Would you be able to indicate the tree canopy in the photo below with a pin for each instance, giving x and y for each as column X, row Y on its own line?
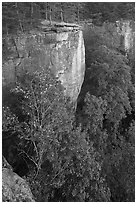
column 27, row 15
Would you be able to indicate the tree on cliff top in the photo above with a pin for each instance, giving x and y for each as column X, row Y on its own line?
column 21, row 16
column 111, row 11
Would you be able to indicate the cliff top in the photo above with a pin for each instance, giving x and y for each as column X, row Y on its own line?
column 58, row 26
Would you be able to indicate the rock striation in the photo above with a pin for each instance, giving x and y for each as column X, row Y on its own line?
column 58, row 46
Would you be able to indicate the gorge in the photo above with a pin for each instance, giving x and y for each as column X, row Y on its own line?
column 79, row 57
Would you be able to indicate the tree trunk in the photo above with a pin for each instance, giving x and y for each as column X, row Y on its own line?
column 78, row 13
column 50, row 13
column 20, row 24
column 7, row 29
column 46, row 10
column 61, row 15
column 31, row 13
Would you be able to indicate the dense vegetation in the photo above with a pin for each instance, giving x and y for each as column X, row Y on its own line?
column 107, row 108
column 67, row 155
column 27, row 15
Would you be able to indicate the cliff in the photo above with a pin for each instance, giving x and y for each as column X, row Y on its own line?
column 126, row 29
column 60, row 47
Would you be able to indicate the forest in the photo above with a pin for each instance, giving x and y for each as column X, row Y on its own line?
column 67, row 155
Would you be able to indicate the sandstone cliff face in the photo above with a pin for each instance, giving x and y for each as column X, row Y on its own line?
column 63, row 51
column 126, row 28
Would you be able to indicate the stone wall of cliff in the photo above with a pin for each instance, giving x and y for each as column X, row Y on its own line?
column 126, row 28
column 60, row 48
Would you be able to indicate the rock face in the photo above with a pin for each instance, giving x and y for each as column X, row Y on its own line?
column 60, row 48
column 14, row 188
column 126, row 28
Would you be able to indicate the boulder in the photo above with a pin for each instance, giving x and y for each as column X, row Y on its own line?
column 15, row 188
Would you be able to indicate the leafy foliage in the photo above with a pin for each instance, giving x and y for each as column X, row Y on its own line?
column 61, row 156
column 42, row 94
column 108, row 109
column 9, row 120
column 75, row 172
column 111, row 11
